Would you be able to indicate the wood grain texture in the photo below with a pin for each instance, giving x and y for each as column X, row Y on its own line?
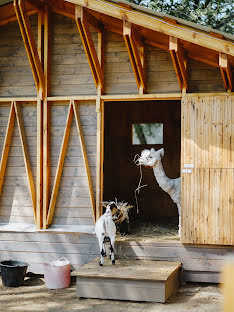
column 207, row 192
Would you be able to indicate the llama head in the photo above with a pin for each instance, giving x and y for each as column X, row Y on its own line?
column 150, row 157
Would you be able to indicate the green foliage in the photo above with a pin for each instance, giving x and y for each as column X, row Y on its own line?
column 216, row 14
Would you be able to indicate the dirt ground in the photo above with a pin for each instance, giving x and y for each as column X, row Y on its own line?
column 34, row 296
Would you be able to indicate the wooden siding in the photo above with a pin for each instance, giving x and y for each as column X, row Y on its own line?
column 204, row 78
column 16, row 77
column 160, row 72
column 15, row 200
column 118, row 73
column 70, row 71
column 200, row 263
column 208, row 191
column 73, row 203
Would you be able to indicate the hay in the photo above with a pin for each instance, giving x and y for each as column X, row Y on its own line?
column 156, row 230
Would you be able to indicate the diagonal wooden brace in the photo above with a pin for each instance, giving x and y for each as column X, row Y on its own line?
column 130, row 38
column 30, row 45
column 83, row 27
column 179, row 62
column 226, row 71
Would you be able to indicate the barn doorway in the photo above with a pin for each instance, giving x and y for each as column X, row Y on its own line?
column 124, row 124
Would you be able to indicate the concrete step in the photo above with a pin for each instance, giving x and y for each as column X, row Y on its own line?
column 132, row 280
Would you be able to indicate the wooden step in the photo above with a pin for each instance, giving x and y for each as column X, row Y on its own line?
column 133, row 280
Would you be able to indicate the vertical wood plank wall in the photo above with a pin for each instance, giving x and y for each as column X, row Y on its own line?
column 15, row 201
column 208, row 192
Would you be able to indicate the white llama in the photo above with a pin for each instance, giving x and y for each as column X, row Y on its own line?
column 152, row 158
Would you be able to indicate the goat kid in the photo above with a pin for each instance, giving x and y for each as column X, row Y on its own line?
column 105, row 230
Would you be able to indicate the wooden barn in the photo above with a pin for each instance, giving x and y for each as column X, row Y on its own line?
column 75, row 77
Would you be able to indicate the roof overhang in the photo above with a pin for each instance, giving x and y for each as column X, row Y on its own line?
column 155, row 23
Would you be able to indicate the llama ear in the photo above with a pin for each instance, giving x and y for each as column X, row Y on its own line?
column 161, row 152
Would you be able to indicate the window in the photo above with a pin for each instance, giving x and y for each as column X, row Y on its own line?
column 147, row 133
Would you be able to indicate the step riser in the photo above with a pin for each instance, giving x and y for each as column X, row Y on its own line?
column 132, row 280
column 121, row 290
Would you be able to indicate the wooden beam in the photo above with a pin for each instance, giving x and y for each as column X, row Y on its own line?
column 100, row 156
column 82, row 24
column 202, row 59
column 6, row 145
column 85, row 157
column 39, row 185
column 156, row 44
column 46, row 160
column 143, row 97
column 32, row 44
column 7, row 13
column 23, row 140
column 94, row 22
column 37, row 4
column 26, row 44
column 179, row 62
column 226, row 71
column 19, row 99
column 142, row 60
column 157, row 24
column 40, row 44
column 134, row 55
column 46, row 114
column 47, row 50
column 60, row 165
column 99, row 161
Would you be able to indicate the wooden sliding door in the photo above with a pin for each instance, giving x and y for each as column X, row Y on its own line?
column 207, row 166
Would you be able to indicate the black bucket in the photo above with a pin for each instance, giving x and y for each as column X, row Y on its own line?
column 13, row 273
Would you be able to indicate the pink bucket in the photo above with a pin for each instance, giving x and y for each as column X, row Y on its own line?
column 57, row 274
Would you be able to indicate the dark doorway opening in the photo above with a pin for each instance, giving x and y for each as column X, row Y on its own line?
column 121, row 175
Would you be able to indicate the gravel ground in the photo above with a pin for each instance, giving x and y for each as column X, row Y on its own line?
column 34, row 296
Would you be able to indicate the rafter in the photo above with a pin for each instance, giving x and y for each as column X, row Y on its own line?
column 134, row 55
column 7, row 13
column 179, row 62
column 30, row 44
column 83, row 27
column 226, row 71
column 148, row 21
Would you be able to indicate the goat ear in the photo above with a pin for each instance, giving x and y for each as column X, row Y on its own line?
column 152, row 150
column 104, row 204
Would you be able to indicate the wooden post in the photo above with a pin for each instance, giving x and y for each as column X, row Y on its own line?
column 39, row 185
column 46, row 160
column 100, row 133
column 46, row 116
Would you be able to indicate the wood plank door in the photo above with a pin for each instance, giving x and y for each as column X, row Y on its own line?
column 207, row 169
